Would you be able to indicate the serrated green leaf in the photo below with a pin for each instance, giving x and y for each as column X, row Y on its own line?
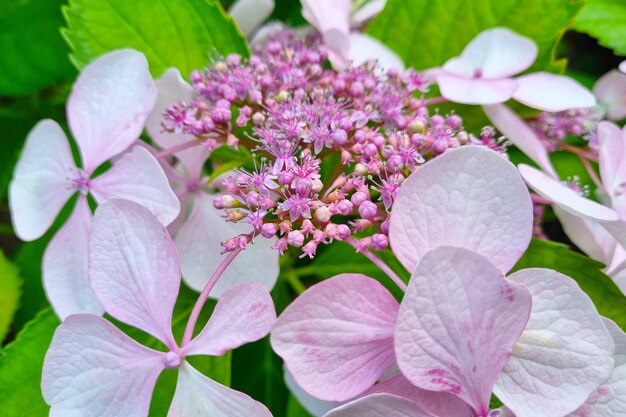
column 10, row 283
column 605, row 295
column 426, row 33
column 605, row 20
column 33, row 52
column 179, row 34
column 21, row 363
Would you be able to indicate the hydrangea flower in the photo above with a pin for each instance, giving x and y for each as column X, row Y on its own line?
column 460, row 222
column 200, row 229
column 106, row 112
column 94, row 369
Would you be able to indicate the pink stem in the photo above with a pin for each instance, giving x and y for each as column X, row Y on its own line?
column 434, row 100
column 592, row 172
column 175, row 149
column 537, row 199
column 195, row 313
column 379, row 263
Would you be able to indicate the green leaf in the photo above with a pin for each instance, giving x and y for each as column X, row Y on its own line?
column 21, row 363
column 426, row 33
column 606, row 296
column 10, row 283
column 605, row 20
column 33, row 52
column 179, row 34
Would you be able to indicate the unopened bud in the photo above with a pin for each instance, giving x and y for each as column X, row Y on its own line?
column 295, row 238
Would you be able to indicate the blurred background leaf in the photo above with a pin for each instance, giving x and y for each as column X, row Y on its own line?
column 10, row 284
column 605, row 20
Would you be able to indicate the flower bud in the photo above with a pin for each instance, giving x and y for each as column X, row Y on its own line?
column 322, row 214
column 359, row 198
column 268, row 230
column 380, row 241
column 295, row 238
column 309, row 249
column 285, row 226
column 368, row 210
column 343, row 231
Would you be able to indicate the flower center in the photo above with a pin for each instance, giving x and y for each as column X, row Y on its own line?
column 172, row 360
column 80, row 181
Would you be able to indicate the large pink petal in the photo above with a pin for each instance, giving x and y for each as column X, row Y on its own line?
column 93, row 369
column 520, row 135
column 564, row 197
column 564, row 353
column 364, row 48
column 109, row 104
column 311, row 404
column 552, row 92
column 196, row 396
column 380, row 405
column 199, row 242
column 457, row 325
column 41, row 182
column 610, row 91
column 173, row 89
column 249, row 14
column 612, row 150
column 470, row 197
column 332, row 19
column 437, row 403
column 139, row 178
column 244, row 314
column 475, row 90
column 609, row 399
column 133, row 267
column 496, row 53
column 337, row 337
column 66, row 266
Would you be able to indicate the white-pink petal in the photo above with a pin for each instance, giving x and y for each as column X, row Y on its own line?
column 199, row 242
column 66, row 265
column 365, row 48
column 139, row 178
column 475, row 90
column 332, row 19
column 564, row 353
column 366, row 12
column 552, row 92
column 520, row 134
column 470, row 197
column 133, row 267
column 497, row 53
column 249, row 14
column 109, row 104
column 457, row 325
column 337, row 337
column 612, row 152
column 311, row 404
column 243, row 314
column 42, row 180
column 565, row 197
column 92, row 369
column 174, row 89
column 380, row 405
column 198, row 396
column 610, row 91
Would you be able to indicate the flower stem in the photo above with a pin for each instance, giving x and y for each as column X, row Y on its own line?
column 434, row 100
column 379, row 263
column 591, row 172
column 175, row 149
column 195, row 313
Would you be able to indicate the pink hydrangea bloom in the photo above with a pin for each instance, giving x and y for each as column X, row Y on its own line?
column 94, row 369
column 106, row 112
column 459, row 223
column 200, row 229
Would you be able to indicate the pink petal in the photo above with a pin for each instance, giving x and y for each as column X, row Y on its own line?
column 610, row 91
column 199, row 242
column 93, row 369
column 337, row 337
column 244, row 314
column 475, row 90
column 457, row 325
column 138, row 177
column 552, row 92
column 249, row 14
column 109, row 104
column 470, row 197
column 364, row 48
column 520, row 134
column 196, row 396
column 609, row 399
column 366, row 12
column 496, row 52
column 133, row 267
column 436, row 403
column 563, row 354
column 332, row 19
column 564, row 197
column 380, row 405
column 66, row 265
column 315, row 407
column 41, row 182
column 174, row 89
column 612, row 151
